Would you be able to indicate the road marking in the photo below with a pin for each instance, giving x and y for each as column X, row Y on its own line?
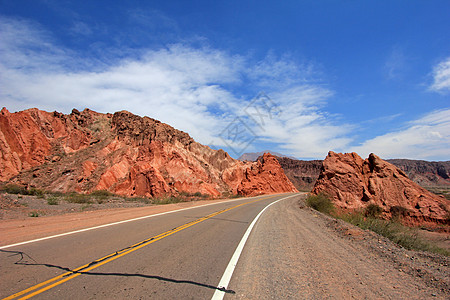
column 226, row 277
column 51, row 283
column 115, row 223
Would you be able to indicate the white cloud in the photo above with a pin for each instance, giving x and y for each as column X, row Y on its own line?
column 192, row 89
column 197, row 90
column 441, row 76
column 425, row 138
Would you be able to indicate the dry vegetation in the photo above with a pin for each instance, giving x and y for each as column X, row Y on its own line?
column 370, row 219
column 17, row 201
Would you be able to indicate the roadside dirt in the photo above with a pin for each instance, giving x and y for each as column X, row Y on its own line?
column 16, row 224
column 297, row 253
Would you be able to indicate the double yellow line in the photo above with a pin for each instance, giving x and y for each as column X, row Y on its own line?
column 55, row 281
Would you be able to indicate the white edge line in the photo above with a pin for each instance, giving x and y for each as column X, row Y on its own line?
column 115, row 223
column 226, row 277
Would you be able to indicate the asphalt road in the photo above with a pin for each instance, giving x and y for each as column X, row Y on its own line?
column 180, row 255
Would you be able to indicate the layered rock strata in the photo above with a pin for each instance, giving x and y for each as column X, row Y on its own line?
column 353, row 183
column 122, row 153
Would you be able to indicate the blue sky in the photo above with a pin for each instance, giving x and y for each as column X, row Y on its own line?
column 296, row 77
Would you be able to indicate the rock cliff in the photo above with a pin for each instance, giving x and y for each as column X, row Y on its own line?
column 302, row 173
column 122, row 153
column 425, row 173
column 353, row 183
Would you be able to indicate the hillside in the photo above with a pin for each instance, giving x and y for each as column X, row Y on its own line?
column 124, row 154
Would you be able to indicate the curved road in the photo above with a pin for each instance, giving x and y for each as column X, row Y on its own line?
column 180, row 255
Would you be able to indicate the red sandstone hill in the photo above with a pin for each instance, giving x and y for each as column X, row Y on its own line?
column 353, row 183
column 125, row 154
column 429, row 174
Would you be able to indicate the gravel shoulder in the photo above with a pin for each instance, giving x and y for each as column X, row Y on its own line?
column 297, row 253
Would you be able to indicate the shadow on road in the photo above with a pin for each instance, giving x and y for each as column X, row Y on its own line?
column 23, row 261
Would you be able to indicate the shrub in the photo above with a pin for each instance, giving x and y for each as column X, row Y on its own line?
column 52, row 201
column 320, row 202
column 36, row 192
column 373, row 210
column 193, row 195
column 396, row 232
column 200, row 195
column 138, row 199
column 77, row 198
column 33, row 214
column 14, row 189
column 101, row 194
column 398, row 211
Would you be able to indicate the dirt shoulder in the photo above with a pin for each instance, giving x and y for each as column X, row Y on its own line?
column 16, row 225
column 295, row 252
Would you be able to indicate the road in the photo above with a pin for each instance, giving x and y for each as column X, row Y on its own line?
column 185, row 262
column 291, row 253
column 298, row 253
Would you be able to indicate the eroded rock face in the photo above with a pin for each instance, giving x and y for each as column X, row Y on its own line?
column 122, row 153
column 303, row 174
column 353, row 183
column 266, row 176
column 28, row 137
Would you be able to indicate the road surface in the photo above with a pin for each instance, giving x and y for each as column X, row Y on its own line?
column 291, row 253
column 186, row 262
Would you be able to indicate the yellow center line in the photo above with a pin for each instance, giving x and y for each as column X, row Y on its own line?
column 46, row 285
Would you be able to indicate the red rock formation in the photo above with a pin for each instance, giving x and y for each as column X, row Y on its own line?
column 266, row 176
column 122, row 153
column 353, row 183
column 27, row 138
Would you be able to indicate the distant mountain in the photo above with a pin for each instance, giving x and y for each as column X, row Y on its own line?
column 302, row 173
column 253, row 156
column 425, row 173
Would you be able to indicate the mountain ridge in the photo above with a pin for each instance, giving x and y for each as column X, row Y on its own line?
column 428, row 174
column 123, row 153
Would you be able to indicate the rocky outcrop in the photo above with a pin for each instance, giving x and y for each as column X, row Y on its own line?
column 353, row 183
column 302, row 173
column 265, row 175
column 122, row 153
column 28, row 137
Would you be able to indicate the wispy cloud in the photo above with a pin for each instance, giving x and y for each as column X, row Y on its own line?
column 198, row 90
column 425, row 138
column 441, row 76
column 396, row 63
column 80, row 28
